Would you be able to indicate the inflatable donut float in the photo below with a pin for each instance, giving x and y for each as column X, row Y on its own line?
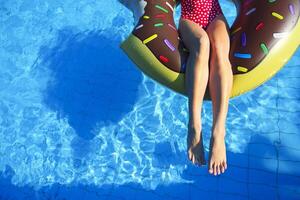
column 263, row 37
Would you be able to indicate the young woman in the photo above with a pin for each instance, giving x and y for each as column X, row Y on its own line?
column 205, row 32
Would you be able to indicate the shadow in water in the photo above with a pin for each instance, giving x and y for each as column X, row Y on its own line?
column 92, row 82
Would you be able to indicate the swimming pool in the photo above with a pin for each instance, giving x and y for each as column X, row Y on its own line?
column 79, row 121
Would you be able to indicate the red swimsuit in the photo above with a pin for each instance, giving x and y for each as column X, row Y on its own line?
column 201, row 12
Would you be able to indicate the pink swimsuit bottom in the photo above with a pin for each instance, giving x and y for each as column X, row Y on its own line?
column 201, row 12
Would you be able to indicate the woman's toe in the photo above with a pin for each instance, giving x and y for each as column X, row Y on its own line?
column 189, row 155
column 222, row 168
column 215, row 169
column 219, row 168
column 211, row 170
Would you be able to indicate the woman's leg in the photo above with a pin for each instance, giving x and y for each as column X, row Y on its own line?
column 220, row 85
column 196, row 79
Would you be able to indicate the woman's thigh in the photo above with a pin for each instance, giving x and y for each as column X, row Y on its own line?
column 218, row 33
column 193, row 35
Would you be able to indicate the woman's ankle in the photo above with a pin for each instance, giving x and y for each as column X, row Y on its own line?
column 218, row 131
column 196, row 124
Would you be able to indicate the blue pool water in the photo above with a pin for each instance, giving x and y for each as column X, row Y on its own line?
column 79, row 121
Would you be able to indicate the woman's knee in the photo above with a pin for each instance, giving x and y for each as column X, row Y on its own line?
column 219, row 61
column 201, row 45
column 220, row 52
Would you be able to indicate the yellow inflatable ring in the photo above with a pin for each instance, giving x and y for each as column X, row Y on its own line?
column 264, row 36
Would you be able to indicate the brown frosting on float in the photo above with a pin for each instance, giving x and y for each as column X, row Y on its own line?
column 158, row 19
column 257, row 28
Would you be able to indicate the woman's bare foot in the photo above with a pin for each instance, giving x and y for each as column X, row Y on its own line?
column 195, row 144
column 217, row 152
